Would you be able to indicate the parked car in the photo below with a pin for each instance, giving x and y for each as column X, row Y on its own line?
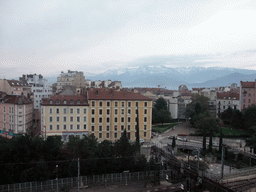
column 182, row 139
column 141, row 141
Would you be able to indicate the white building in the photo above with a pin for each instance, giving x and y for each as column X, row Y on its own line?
column 40, row 88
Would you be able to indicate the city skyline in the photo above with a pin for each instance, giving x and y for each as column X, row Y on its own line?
column 46, row 37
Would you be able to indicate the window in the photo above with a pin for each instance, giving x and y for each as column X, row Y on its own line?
column 115, row 127
column 71, row 119
column 145, row 111
column 122, row 111
column 84, row 110
column 107, row 119
column 107, row 135
column 78, row 111
column 78, row 119
column 57, row 102
column 129, row 127
column 108, row 103
column 100, row 135
column 92, row 127
column 100, row 128
column 116, row 104
column 71, row 127
column 116, row 111
column 129, row 111
column 65, row 110
column 71, row 102
column 137, row 103
column 244, row 100
column 78, row 102
column 145, row 134
column 65, row 102
column 50, row 101
column 93, row 103
column 122, row 104
column 145, row 119
column 122, row 119
column 78, row 127
column 108, row 111
column 115, row 119
column 50, row 127
column 145, row 127
column 57, row 119
column 115, row 135
column 107, row 127
column 100, row 103
column 64, row 119
column 71, row 110
column 93, row 111
column 100, row 120
column 50, row 119
column 64, row 127
column 122, row 127
column 58, row 127
column 84, row 119
column 50, row 111
column 145, row 104
column 129, row 119
column 100, row 111
column 129, row 104
column 93, row 120
column 84, row 126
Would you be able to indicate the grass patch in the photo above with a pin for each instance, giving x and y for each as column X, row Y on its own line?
column 163, row 128
column 228, row 131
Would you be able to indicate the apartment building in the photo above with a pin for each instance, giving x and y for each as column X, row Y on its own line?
column 105, row 113
column 71, row 78
column 247, row 94
column 40, row 88
column 103, row 84
column 15, row 114
column 226, row 100
column 15, row 87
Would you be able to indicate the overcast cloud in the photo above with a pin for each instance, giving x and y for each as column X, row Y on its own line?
column 51, row 36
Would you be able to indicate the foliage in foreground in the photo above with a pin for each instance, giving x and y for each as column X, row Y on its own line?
column 25, row 159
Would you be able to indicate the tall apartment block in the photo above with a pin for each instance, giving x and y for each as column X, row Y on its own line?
column 105, row 113
column 40, row 88
column 71, row 78
column 247, row 94
column 15, row 113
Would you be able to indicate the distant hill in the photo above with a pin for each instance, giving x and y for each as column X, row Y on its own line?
column 171, row 78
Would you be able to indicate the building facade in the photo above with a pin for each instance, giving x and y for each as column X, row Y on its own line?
column 15, row 87
column 247, row 94
column 40, row 88
column 105, row 113
column 16, row 114
column 71, row 78
column 226, row 100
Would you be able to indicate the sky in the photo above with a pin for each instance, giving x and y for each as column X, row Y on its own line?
column 50, row 36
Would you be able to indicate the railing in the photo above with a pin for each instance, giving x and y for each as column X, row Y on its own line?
column 84, row 181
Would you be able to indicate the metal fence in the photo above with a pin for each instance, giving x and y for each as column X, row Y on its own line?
column 84, row 181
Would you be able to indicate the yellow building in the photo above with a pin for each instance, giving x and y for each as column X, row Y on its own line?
column 102, row 112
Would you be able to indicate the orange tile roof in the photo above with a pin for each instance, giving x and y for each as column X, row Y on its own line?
column 111, row 94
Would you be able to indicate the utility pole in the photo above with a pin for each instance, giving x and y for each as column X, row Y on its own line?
column 198, row 151
column 222, row 161
column 78, row 173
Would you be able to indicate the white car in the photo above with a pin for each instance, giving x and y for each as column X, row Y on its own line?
column 141, row 141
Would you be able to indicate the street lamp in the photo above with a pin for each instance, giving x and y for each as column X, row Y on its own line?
column 57, row 178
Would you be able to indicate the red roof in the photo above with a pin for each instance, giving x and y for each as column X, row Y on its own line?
column 248, row 84
column 111, row 94
column 228, row 95
column 16, row 99
column 16, row 83
column 63, row 100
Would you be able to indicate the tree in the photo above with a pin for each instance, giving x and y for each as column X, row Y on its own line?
column 250, row 116
column 160, row 113
column 199, row 104
column 227, row 116
column 173, row 142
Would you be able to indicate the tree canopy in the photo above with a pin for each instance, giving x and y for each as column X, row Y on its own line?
column 160, row 113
